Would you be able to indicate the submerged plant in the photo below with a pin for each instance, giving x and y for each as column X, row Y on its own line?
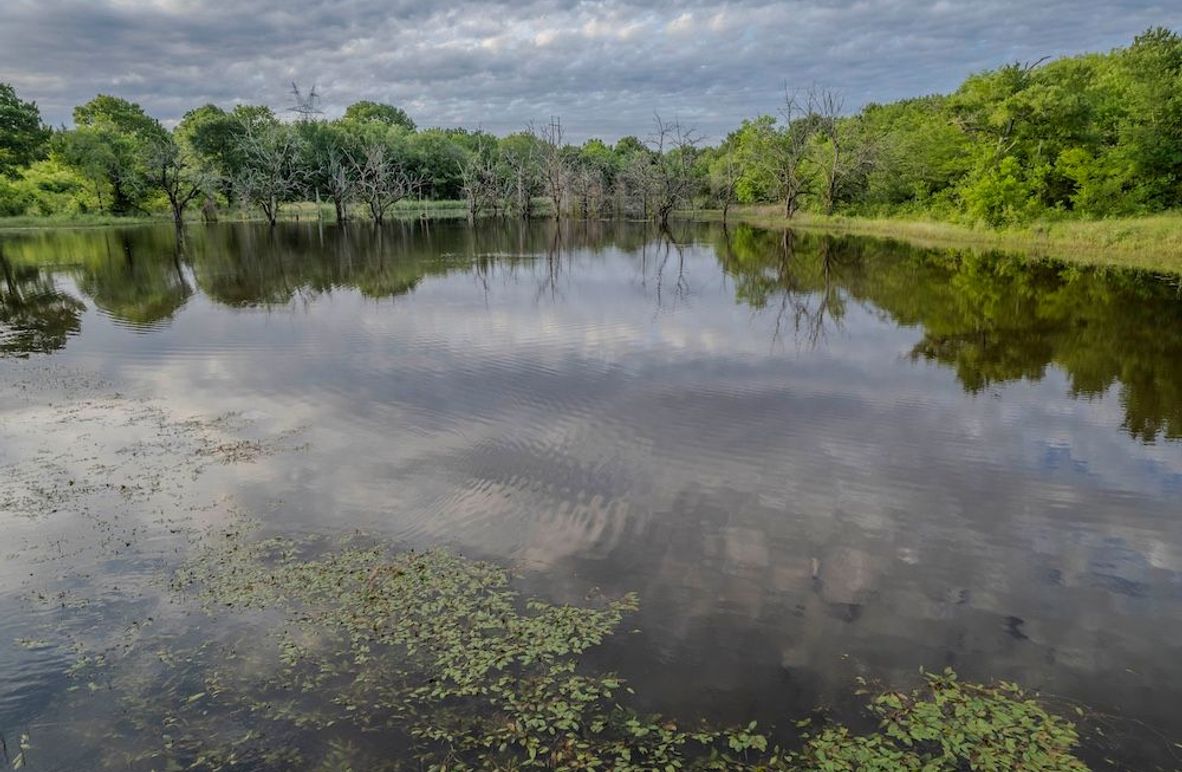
column 354, row 656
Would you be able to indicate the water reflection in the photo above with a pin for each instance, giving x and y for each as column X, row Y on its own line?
column 795, row 447
column 992, row 318
column 35, row 318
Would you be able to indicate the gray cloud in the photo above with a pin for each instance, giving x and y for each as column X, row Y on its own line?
column 604, row 66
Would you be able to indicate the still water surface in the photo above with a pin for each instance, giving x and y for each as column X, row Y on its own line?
column 813, row 457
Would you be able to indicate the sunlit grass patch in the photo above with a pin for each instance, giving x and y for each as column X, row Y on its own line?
column 1152, row 242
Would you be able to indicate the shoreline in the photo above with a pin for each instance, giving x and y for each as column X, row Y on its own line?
column 1152, row 243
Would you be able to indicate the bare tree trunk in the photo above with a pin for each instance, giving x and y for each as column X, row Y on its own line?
column 831, row 177
column 554, row 168
column 791, row 203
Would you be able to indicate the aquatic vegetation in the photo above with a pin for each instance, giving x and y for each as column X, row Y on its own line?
column 442, row 649
column 950, row 724
column 353, row 655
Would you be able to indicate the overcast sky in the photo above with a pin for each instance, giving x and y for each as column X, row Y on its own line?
column 605, row 67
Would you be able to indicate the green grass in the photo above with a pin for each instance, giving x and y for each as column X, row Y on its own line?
column 1152, row 242
column 296, row 211
column 77, row 221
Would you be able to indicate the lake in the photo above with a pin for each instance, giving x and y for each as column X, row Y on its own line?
column 814, row 458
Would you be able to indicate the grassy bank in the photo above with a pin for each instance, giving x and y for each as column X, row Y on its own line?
column 77, row 221
column 1153, row 243
column 293, row 212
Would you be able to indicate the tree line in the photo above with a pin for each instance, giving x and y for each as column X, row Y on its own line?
column 1094, row 135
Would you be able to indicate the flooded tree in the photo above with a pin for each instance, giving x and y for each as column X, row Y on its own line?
column 270, row 174
column 382, row 180
column 480, row 184
column 552, row 162
column 177, row 174
column 518, row 169
column 669, row 177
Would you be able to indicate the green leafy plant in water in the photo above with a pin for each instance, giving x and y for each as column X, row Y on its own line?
column 442, row 648
column 440, row 654
column 950, row 725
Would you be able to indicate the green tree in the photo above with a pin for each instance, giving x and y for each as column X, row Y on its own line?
column 109, row 146
column 922, row 154
column 366, row 111
column 519, row 173
column 178, row 173
column 23, row 137
column 437, row 160
column 328, row 154
column 47, row 188
column 216, row 137
column 1149, row 133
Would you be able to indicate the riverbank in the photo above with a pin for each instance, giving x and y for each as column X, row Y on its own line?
column 1153, row 243
column 293, row 212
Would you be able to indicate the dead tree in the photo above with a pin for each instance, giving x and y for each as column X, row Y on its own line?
column 340, row 179
column 517, row 173
column 634, row 185
column 270, row 171
column 670, row 174
column 382, row 181
column 478, row 180
column 826, row 107
column 843, row 153
column 555, row 173
column 790, row 149
column 588, row 191
column 724, row 181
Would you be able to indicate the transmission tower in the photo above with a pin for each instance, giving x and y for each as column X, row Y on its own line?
column 306, row 106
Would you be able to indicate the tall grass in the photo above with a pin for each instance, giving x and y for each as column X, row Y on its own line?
column 1151, row 242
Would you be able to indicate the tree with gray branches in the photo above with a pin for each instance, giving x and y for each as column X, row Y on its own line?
column 670, row 173
column 553, row 162
column 382, row 180
column 270, row 172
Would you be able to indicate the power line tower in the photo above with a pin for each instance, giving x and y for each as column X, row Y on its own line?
column 307, row 106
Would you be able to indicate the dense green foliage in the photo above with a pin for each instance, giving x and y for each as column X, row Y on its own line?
column 1095, row 135
column 22, row 135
